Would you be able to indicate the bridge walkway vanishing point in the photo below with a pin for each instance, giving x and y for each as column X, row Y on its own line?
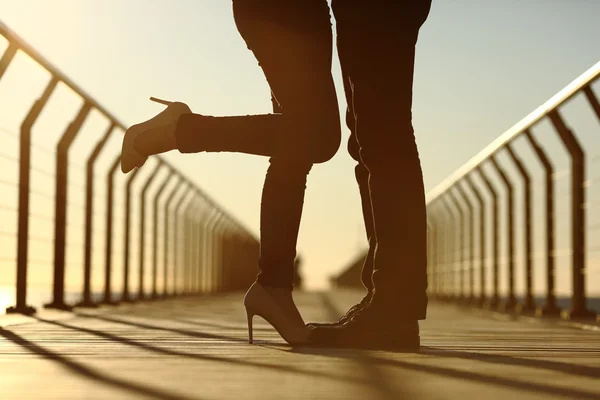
column 196, row 348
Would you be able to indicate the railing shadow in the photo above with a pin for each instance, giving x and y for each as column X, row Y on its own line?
column 88, row 372
column 201, row 357
column 371, row 361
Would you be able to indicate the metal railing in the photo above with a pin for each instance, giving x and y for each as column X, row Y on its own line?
column 453, row 217
column 465, row 228
column 211, row 250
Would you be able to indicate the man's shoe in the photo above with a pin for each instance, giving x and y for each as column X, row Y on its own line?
column 370, row 329
column 346, row 317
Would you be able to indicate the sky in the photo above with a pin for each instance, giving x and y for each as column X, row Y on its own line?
column 481, row 66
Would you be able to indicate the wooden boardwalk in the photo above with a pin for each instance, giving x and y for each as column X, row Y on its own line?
column 195, row 348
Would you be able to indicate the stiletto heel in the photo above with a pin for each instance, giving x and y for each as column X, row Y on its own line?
column 249, row 315
column 258, row 301
column 161, row 101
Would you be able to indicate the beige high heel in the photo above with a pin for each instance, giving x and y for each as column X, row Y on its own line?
column 165, row 120
column 259, row 302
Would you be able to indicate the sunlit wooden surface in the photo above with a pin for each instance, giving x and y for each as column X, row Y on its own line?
column 196, row 348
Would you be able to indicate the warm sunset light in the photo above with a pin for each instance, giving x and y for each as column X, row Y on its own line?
column 299, row 199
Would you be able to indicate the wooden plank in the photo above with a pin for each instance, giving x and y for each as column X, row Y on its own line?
column 196, row 348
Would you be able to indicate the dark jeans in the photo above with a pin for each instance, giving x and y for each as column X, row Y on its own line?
column 376, row 46
column 292, row 42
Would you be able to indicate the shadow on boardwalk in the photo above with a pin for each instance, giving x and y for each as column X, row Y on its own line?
column 196, row 348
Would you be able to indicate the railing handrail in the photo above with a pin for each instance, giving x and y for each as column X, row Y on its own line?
column 14, row 39
column 585, row 79
column 22, row 45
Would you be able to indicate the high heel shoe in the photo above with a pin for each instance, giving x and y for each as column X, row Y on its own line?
column 165, row 121
column 259, row 302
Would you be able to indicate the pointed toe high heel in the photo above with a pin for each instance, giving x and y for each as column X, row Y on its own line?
column 259, row 302
column 165, row 121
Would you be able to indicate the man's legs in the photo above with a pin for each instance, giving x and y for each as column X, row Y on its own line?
column 376, row 45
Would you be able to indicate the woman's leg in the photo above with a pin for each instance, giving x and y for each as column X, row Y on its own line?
column 304, row 130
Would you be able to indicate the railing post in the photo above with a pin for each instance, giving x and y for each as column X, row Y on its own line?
column 593, row 100
column 7, row 57
column 528, row 305
column 190, row 250
column 578, row 301
column 462, row 241
column 431, row 253
column 126, row 240
column 471, row 225
column 188, row 239
column 166, row 238
column 437, row 256
column 60, row 217
column 482, row 239
column 24, row 175
column 494, row 301
column 159, row 192
column 142, row 249
column 217, row 243
column 208, row 258
column 87, row 300
column 445, row 249
column 454, row 244
column 109, row 223
column 550, row 307
column 226, row 255
column 177, row 230
column 201, row 245
column 511, row 300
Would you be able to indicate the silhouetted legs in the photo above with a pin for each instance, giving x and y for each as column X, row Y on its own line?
column 376, row 45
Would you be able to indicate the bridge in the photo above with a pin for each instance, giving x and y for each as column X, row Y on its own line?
column 175, row 328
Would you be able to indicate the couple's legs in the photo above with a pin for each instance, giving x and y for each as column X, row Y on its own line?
column 376, row 44
column 296, row 60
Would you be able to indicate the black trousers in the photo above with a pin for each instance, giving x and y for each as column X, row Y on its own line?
column 376, row 46
column 292, row 41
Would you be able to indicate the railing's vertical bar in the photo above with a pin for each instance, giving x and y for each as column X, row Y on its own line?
column 177, row 248
column 511, row 301
column 437, row 256
column 24, row 183
column 470, row 223
column 142, row 238
column 593, row 100
column 218, row 235
column 446, row 251
column 482, row 238
column 203, row 212
column 195, row 274
column 127, row 237
column 431, row 279
column 60, row 207
column 529, row 302
column 461, row 240
column 109, row 236
column 550, row 307
column 209, row 257
column 495, row 298
column 7, row 57
column 159, row 192
column 189, row 240
column 578, row 301
column 440, row 249
column 87, row 300
column 166, row 237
